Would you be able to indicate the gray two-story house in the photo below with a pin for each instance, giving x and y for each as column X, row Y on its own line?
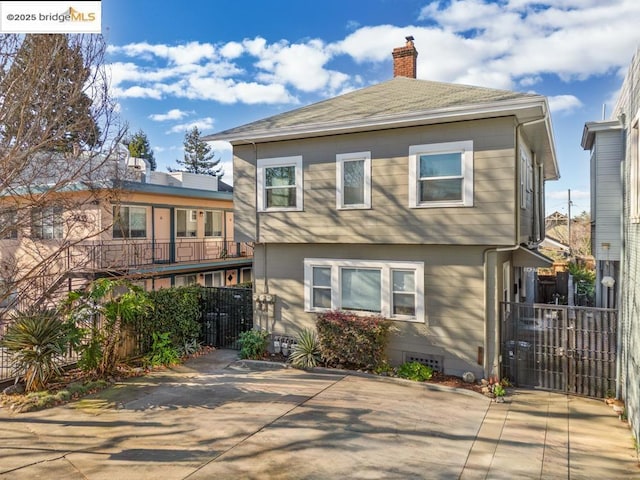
column 615, row 211
column 419, row 201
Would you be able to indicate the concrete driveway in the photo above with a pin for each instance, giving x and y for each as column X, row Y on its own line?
column 219, row 418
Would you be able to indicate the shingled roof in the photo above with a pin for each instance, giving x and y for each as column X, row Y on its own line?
column 399, row 102
column 394, row 98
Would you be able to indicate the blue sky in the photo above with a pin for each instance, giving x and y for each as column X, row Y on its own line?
column 218, row 64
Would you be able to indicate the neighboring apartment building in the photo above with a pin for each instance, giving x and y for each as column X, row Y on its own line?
column 615, row 194
column 419, row 201
column 158, row 229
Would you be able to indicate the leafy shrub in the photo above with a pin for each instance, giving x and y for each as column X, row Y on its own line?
column 352, row 341
column 253, row 344
column 499, row 390
column 162, row 351
column 190, row 347
column 176, row 311
column 37, row 341
column 415, row 371
column 120, row 304
column 306, row 352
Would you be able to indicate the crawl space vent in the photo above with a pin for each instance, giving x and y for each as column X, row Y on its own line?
column 436, row 362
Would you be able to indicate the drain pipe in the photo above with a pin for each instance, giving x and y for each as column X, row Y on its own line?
column 496, row 334
column 265, row 286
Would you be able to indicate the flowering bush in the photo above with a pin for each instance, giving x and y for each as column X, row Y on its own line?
column 352, row 341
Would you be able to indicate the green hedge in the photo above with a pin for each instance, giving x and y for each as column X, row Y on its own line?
column 175, row 311
column 352, row 341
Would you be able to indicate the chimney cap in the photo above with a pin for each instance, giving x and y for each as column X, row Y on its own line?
column 409, row 38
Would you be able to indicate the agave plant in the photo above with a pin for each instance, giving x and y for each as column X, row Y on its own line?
column 306, row 352
column 37, row 342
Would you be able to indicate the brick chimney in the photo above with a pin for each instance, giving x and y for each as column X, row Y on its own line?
column 404, row 60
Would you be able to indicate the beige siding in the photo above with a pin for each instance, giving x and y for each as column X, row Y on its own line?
column 454, row 297
column 490, row 221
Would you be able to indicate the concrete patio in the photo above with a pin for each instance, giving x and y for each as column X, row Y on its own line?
column 217, row 417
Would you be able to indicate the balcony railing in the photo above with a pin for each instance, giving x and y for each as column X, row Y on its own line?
column 133, row 254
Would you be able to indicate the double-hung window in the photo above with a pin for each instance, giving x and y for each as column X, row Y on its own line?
column 389, row 288
column 129, row 222
column 280, row 184
column 8, row 224
column 213, row 223
column 441, row 174
column 186, row 223
column 214, row 279
column 185, row 280
column 353, row 179
column 47, row 222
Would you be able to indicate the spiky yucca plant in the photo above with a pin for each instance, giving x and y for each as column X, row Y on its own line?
column 306, row 352
column 37, row 341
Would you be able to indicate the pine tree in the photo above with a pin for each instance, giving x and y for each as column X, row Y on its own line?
column 139, row 147
column 47, row 78
column 198, row 157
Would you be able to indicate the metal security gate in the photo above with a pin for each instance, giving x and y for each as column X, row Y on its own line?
column 556, row 347
column 227, row 312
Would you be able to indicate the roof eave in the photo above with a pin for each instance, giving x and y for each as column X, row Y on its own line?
column 524, row 109
column 590, row 129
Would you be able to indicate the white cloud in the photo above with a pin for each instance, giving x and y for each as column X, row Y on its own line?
column 563, row 103
column 203, row 124
column 232, row 50
column 192, row 52
column 173, row 114
column 506, row 44
column 137, row 92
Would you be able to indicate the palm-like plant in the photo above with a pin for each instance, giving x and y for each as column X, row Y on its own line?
column 37, row 342
column 306, row 352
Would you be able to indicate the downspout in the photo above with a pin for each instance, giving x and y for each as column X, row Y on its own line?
column 516, row 244
column 622, row 262
column 265, row 287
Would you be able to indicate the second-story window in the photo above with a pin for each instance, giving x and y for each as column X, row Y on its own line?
column 129, row 222
column 213, row 223
column 441, row 174
column 279, row 182
column 8, row 224
column 186, row 223
column 46, row 222
column 353, row 172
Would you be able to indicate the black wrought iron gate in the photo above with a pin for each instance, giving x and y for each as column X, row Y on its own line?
column 227, row 313
column 556, row 347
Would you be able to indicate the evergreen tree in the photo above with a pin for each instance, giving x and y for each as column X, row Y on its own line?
column 48, row 78
column 139, row 147
column 198, row 157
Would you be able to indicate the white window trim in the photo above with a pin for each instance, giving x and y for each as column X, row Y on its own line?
column 221, row 212
column 341, row 158
column 465, row 147
column 190, row 218
column 263, row 163
column 634, row 172
column 385, row 266
column 214, row 273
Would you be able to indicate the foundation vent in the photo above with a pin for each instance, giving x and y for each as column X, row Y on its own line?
column 436, row 362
